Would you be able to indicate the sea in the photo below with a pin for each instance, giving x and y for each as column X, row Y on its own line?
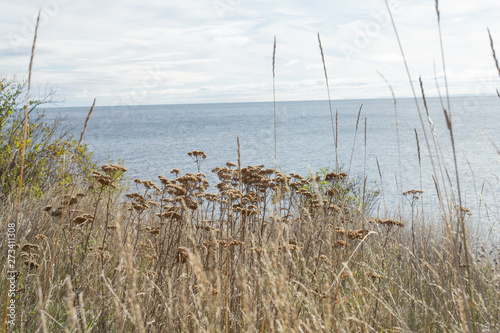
column 396, row 145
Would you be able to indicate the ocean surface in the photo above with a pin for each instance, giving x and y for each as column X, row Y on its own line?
column 151, row 140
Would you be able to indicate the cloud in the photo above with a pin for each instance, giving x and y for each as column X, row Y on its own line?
column 218, row 51
column 291, row 62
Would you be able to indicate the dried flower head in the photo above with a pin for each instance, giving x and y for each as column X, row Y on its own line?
column 335, row 176
column 83, row 218
column 173, row 215
column 197, row 153
column 388, row 222
column 31, row 264
column 164, row 180
column 325, row 259
column 30, row 247
column 104, row 180
column 357, row 234
column 412, row 192
column 339, row 243
column 463, row 210
column 139, row 207
column 112, row 168
column 40, row 236
column 374, row 275
column 175, row 171
column 69, row 200
column 182, row 255
column 153, row 231
column 332, row 192
column 54, row 212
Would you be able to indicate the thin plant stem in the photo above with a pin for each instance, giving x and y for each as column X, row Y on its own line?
column 25, row 130
column 86, row 122
column 274, row 103
column 354, row 141
column 448, row 117
column 442, row 54
column 23, row 152
column 494, row 54
column 400, row 170
column 329, row 103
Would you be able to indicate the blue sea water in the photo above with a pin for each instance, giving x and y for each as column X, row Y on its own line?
column 151, row 140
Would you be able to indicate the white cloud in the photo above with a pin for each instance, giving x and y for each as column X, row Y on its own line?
column 291, row 62
column 220, row 51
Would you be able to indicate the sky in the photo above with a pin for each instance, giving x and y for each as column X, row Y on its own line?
column 213, row 51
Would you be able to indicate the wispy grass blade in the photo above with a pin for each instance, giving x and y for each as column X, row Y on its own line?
column 460, row 216
column 381, row 185
column 442, row 56
column 274, row 103
column 396, row 117
column 329, row 102
column 86, row 123
column 23, row 153
column 494, row 55
column 354, row 141
column 25, row 130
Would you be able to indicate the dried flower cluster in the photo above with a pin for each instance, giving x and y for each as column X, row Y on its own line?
column 388, row 222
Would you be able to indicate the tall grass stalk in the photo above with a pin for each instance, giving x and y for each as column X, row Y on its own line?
column 460, row 215
column 354, row 140
column 86, row 123
column 337, row 166
column 460, row 222
column 443, row 62
column 274, row 103
column 23, row 152
column 410, row 80
column 494, row 53
column 25, row 130
column 396, row 119
column 69, row 192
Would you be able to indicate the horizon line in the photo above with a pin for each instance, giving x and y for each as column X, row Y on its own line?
column 284, row 101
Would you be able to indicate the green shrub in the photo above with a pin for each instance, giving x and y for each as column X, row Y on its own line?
column 52, row 156
column 353, row 192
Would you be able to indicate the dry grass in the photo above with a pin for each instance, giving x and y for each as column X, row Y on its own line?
column 160, row 260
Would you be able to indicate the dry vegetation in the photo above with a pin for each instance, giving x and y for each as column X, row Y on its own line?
column 273, row 252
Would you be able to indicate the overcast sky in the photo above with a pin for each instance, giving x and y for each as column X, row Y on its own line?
column 197, row 51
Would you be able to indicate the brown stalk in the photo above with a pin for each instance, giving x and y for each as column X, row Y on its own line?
column 329, row 102
column 442, row 54
column 449, row 122
column 240, row 185
column 494, row 54
column 381, row 184
column 86, row 122
column 25, row 130
column 398, row 181
column 274, row 103
column 227, row 268
column 23, row 151
column 354, row 141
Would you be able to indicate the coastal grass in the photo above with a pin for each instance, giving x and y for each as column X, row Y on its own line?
column 169, row 256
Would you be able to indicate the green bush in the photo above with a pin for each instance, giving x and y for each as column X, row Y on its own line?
column 353, row 192
column 52, row 156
